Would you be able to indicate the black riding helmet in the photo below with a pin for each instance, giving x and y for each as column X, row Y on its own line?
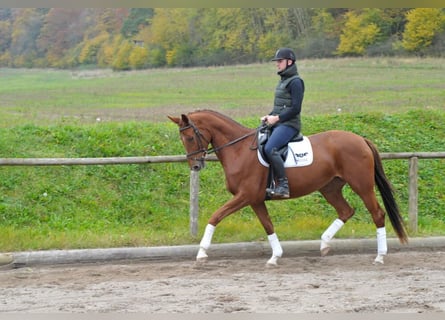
column 284, row 53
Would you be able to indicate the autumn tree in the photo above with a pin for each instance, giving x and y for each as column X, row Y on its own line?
column 321, row 39
column 126, row 38
column 5, row 29
column 61, row 32
column 122, row 59
column 91, row 48
column 174, row 30
column 107, row 22
column 275, row 33
column 138, row 58
column 232, row 34
column 137, row 19
column 5, row 40
column 357, row 34
column 109, row 51
column 423, row 25
column 26, row 30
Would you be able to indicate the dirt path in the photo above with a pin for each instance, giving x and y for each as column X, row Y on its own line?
column 408, row 282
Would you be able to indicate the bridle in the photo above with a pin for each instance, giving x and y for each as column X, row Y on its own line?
column 203, row 150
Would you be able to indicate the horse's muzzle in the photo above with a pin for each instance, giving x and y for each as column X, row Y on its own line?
column 198, row 165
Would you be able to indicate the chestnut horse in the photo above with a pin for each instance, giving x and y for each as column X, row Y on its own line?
column 339, row 158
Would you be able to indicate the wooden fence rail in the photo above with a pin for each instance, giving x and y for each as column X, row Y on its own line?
column 413, row 158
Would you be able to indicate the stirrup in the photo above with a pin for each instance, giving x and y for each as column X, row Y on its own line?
column 281, row 195
column 275, row 194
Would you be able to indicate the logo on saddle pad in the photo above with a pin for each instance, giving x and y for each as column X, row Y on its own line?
column 297, row 154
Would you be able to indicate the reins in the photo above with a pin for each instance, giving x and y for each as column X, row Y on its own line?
column 205, row 151
column 216, row 149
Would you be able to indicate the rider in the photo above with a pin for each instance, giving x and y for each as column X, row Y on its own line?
column 284, row 119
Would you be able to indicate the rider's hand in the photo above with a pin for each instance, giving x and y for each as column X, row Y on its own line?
column 271, row 120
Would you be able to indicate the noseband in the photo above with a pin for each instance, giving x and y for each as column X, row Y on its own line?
column 201, row 149
column 199, row 138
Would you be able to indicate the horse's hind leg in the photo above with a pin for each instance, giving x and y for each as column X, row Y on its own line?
column 378, row 215
column 332, row 192
column 364, row 187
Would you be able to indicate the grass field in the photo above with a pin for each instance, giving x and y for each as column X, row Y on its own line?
column 47, row 97
column 397, row 103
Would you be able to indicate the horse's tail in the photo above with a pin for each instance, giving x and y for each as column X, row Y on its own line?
column 387, row 194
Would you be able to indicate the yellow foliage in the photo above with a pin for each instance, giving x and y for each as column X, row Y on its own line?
column 108, row 51
column 121, row 61
column 138, row 57
column 324, row 23
column 91, row 47
column 421, row 27
column 107, row 54
column 356, row 36
column 170, row 57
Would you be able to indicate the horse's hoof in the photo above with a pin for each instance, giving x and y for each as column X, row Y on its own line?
column 202, row 254
column 272, row 262
column 324, row 248
column 324, row 252
column 201, row 260
column 378, row 260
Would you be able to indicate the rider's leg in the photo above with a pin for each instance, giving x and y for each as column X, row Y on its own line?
column 281, row 189
column 280, row 136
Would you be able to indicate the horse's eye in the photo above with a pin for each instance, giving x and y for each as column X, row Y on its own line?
column 189, row 139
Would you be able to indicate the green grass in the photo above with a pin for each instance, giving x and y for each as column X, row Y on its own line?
column 45, row 97
column 398, row 104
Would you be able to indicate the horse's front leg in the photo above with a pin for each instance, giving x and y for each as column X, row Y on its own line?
column 263, row 215
column 204, row 245
column 235, row 204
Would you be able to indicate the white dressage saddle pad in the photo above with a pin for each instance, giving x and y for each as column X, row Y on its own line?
column 299, row 154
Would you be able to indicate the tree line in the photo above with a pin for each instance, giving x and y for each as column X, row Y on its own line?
column 138, row 38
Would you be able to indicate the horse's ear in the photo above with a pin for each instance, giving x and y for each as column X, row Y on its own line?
column 174, row 119
column 185, row 119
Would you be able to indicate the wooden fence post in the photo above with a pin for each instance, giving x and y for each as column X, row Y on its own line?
column 194, row 202
column 413, row 194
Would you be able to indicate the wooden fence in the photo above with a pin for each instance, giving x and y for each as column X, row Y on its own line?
column 412, row 157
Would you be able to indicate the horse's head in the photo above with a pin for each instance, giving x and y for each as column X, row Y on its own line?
column 195, row 143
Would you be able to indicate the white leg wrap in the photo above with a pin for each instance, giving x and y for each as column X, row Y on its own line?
column 207, row 237
column 277, row 251
column 205, row 242
column 327, row 236
column 382, row 247
column 332, row 230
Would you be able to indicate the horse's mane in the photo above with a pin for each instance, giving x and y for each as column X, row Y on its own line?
column 219, row 115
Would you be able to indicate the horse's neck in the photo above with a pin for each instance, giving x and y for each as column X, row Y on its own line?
column 226, row 130
column 235, row 157
column 225, row 140
column 223, row 131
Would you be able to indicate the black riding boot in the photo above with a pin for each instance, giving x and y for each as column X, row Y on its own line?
column 281, row 189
